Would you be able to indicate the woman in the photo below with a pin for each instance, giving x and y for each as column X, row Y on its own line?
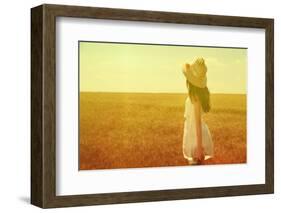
column 197, row 140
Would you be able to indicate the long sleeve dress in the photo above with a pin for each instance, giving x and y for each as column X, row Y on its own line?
column 190, row 136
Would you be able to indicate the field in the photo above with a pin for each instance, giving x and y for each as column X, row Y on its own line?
column 132, row 130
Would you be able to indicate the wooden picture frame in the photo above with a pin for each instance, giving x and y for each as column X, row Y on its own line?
column 43, row 105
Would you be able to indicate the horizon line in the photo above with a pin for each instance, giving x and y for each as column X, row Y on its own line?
column 218, row 93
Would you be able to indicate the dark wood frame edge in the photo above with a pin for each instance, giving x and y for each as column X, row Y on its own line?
column 43, row 103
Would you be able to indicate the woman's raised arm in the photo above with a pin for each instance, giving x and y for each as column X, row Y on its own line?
column 185, row 68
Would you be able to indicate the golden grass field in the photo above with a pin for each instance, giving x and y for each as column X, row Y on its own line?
column 132, row 130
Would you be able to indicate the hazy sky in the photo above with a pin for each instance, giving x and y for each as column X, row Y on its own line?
column 115, row 67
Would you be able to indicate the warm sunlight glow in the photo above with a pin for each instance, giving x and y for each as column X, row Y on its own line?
column 115, row 67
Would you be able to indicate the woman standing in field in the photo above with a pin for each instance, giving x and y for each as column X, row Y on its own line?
column 197, row 140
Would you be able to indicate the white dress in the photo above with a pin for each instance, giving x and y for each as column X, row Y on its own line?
column 190, row 136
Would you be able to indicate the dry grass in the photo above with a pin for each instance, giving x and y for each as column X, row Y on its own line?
column 129, row 130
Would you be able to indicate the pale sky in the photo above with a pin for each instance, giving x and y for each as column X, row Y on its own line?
column 116, row 67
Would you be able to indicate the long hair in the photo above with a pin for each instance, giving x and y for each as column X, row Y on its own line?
column 201, row 94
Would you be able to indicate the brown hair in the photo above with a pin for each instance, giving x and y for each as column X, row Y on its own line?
column 202, row 94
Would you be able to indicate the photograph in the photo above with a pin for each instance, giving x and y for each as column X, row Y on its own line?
column 140, row 105
column 159, row 105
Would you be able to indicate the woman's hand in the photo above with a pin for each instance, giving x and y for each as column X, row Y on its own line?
column 185, row 69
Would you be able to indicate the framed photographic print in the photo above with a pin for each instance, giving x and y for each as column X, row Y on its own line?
column 136, row 106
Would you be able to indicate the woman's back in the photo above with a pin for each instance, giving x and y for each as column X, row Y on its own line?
column 190, row 136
